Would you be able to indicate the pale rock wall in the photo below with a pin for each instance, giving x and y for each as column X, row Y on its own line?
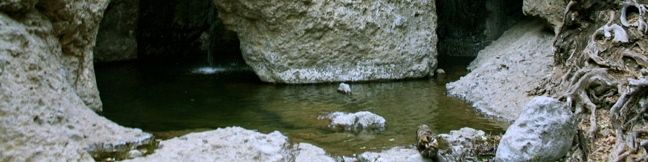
column 312, row 41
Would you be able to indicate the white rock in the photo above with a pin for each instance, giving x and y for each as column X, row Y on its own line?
column 344, row 88
column 506, row 70
column 358, row 121
column 290, row 41
column 397, row 154
column 543, row 132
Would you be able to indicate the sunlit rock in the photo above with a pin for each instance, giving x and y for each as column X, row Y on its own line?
column 288, row 41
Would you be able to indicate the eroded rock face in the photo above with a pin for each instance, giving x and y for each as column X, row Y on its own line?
column 550, row 10
column 235, row 144
column 543, row 132
column 504, row 71
column 116, row 39
column 344, row 40
column 47, row 85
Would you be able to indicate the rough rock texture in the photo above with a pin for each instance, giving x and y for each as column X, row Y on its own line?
column 235, row 144
column 504, row 71
column 543, row 132
column 117, row 35
column 47, row 85
column 394, row 154
column 343, row 40
column 356, row 122
column 549, row 10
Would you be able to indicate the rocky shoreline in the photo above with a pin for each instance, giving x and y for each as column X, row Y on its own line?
column 592, row 72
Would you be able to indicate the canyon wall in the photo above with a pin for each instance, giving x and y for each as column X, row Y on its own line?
column 47, row 84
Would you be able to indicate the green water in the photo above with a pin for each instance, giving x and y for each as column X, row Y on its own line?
column 169, row 98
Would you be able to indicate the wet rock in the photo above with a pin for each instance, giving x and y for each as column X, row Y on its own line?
column 116, row 39
column 234, row 144
column 47, row 88
column 440, row 71
column 543, row 132
column 394, row 154
column 506, row 70
column 356, row 122
column 288, row 41
column 344, row 88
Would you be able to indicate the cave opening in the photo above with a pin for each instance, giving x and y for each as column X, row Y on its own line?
column 166, row 32
column 465, row 27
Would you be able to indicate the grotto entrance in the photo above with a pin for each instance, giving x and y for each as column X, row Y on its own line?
column 467, row 26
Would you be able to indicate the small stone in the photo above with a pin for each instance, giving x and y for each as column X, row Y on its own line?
column 344, row 88
column 440, row 71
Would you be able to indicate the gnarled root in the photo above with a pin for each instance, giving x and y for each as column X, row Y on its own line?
column 583, row 80
column 639, row 21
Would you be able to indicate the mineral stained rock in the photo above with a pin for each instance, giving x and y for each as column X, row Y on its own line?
column 312, row 41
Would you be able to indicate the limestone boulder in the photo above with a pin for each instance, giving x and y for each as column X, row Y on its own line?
column 543, row 132
column 235, row 144
column 311, row 41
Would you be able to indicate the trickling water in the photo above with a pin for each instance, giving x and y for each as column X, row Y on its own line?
column 166, row 100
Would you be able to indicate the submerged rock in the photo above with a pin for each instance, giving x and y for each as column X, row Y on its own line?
column 506, row 70
column 357, row 122
column 543, row 132
column 234, row 144
column 344, row 88
column 290, row 41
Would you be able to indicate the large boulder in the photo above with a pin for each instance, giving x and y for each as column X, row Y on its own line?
column 116, row 39
column 543, row 132
column 288, row 41
column 47, row 86
column 235, row 144
column 506, row 70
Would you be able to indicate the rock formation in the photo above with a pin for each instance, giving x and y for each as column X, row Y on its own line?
column 504, row 71
column 543, row 132
column 326, row 41
column 47, row 86
column 235, row 144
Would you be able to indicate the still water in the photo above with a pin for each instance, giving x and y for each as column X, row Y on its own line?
column 169, row 100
